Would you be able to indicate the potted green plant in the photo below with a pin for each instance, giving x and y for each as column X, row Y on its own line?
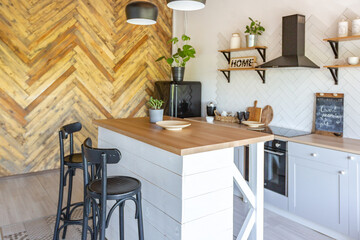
column 179, row 59
column 155, row 112
column 253, row 30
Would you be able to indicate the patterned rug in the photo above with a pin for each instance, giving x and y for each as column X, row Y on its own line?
column 39, row 229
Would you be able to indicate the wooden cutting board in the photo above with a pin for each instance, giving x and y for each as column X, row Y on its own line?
column 254, row 113
column 267, row 115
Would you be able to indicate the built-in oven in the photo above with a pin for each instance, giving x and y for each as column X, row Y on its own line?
column 275, row 169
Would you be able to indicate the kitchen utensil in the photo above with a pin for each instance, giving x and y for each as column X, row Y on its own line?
column 253, row 124
column 267, row 115
column 255, row 113
column 353, row 60
column 173, row 125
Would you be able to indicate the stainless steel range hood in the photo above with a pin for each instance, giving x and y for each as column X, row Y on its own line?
column 293, row 45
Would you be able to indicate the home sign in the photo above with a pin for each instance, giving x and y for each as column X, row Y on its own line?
column 243, row 62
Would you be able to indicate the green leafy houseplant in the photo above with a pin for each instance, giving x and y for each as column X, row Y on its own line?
column 155, row 103
column 183, row 54
column 255, row 27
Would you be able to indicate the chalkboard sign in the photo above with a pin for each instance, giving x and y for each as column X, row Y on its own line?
column 329, row 115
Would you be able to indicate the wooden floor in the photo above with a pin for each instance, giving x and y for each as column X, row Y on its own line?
column 25, row 198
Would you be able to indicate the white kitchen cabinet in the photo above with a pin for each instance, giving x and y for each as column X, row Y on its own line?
column 319, row 188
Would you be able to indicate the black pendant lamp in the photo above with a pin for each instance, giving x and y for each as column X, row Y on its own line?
column 141, row 13
column 186, row 5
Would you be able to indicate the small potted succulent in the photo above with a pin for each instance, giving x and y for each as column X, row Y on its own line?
column 155, row 111
column 253, row 30
column 179, row 59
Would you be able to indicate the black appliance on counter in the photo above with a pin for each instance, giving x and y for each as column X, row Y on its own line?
column 181, row 99
column 275, row 159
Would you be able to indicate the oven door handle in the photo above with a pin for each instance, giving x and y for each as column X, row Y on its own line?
column 276, row 153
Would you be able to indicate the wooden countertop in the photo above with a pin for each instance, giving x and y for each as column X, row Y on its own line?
column 335, row 143
column 199, row 137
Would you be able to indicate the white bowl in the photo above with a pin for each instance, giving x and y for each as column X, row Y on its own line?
column 210, row 119
column 353, row 60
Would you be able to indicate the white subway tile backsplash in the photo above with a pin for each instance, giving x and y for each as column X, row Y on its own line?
column 291, row 93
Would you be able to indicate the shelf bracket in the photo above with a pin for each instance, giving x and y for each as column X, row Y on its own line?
column 335, row 74
column 262, row 52
column 335, row 47
column 262, row 74
column 227, row 75
column 227, row 55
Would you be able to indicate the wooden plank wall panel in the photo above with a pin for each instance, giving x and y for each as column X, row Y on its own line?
column 71, row 60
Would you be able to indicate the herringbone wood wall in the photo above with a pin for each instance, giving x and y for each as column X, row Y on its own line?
column 71, row 60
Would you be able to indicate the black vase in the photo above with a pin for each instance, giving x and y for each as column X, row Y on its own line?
column 178, row 73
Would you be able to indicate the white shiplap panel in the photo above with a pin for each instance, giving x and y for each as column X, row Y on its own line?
column 198, row 207
column 207, row 161
column 207, row 182
column 163, row 200
column 213, row 228
column 165, row 159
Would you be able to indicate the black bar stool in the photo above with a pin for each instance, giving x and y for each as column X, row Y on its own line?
column 73, row 161
column 118, row 188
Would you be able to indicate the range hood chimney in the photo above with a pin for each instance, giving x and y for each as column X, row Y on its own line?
column 293, row 45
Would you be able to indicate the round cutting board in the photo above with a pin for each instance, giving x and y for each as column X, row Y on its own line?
column 267, row 115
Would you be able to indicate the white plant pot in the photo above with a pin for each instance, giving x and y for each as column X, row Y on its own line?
column 156, row 115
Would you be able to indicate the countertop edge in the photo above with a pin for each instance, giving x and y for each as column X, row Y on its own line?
column 187, row 151
column 321, row 141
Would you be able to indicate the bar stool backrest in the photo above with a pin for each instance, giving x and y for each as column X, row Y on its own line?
column 99, row 157
column 64, row 132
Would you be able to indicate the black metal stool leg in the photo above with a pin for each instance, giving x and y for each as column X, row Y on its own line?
column 140, row 218
column 93, row 207
column 85, row 219
column 102, row 218
column 121, row 221
column 67, row 214
column 60, row 200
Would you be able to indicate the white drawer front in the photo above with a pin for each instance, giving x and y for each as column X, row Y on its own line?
column 323, row 155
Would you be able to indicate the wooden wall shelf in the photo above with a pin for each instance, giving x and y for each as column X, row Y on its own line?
column 334, row 70
column 227, row 55
column 342, row 39
column 260, row 49
column 334, row 43
column 260, row 71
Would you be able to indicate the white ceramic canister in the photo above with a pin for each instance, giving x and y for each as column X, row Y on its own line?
column 235, row 41
column 355, row 26
column 343, row 29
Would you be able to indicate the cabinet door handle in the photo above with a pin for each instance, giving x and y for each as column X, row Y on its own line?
column 313, row 154
column 342, row 172
column 351, row 158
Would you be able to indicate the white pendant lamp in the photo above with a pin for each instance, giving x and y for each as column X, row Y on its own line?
column 186, row 5
column 141, row 13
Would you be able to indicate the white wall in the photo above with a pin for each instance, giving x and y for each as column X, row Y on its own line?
column 290, row 92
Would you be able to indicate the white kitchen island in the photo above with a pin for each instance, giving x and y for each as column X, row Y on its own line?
column 187, row 178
